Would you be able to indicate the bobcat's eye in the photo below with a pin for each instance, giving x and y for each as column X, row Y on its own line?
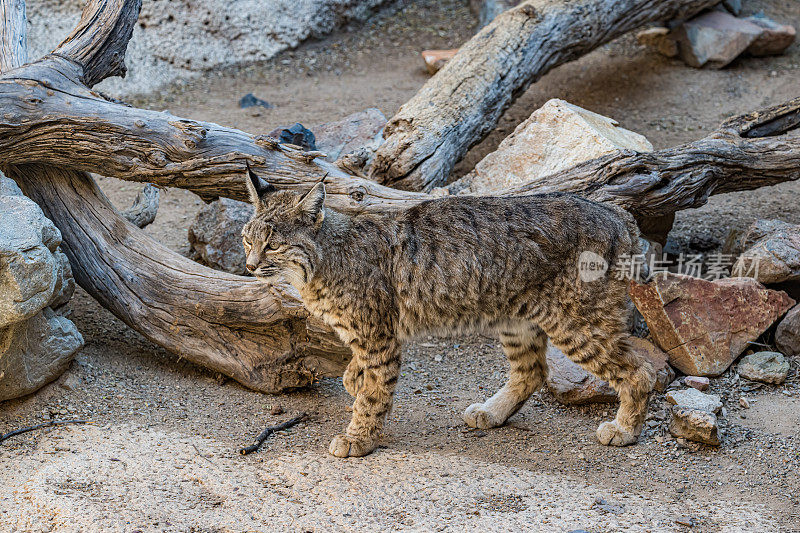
column 272, row 245
column 246, row 242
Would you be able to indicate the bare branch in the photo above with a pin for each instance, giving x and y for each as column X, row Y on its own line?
column 100, row 41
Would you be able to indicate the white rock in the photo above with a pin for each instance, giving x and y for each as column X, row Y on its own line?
column 556, row 136
column 694, row 399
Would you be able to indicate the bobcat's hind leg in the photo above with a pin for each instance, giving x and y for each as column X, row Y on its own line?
column 379, row 365
column 524, row 345
column 600, row 348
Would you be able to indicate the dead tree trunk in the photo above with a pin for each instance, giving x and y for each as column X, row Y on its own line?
column 54, row 129
column 462, row 103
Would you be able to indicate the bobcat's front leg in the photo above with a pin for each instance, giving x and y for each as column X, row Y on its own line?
column 379, row 363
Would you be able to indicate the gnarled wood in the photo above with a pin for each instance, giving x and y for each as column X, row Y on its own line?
column 259, row 335
column 462, row 103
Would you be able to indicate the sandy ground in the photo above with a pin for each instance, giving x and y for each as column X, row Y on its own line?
column 161, row 452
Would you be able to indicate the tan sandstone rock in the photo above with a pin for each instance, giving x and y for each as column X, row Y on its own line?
column 695, row 425
column 556, row 136
column 705, row 325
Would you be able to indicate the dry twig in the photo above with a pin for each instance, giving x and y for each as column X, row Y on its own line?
column 20, row 431
column 264, row 435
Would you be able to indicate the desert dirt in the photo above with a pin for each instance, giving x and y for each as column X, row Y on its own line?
column 161, row 454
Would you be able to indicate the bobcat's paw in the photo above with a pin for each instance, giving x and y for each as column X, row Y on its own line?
column 476, row 416
column 611, row 434
column 344, row 446
column 353, row 378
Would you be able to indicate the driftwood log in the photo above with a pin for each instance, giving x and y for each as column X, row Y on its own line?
column 462, row 103
column 55, row 129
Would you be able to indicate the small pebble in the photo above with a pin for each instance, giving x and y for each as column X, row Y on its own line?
column 743, row 403
column 276, row 410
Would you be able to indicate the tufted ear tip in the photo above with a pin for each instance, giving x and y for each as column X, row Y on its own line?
column 311, row 203
column 257, row 186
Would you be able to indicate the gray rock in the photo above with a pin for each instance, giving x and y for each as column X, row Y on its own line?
column 29, row 266
column 65, row 282
column 774, row 256
column 35, row 352
column 572, row 385
column 774, row 39
column 714, row 39
column 787, row 335
column 766, row 367
column 695, row 425
column 360, row 130
column 694, row 399
column 216, row 235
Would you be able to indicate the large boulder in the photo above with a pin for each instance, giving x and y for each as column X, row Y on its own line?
column 36, row 343
column 216, row 235
column 29, row 266
column 555, row 137
column 772, row 253
column 705, row 325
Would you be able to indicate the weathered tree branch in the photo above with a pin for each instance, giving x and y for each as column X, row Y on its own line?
column 462, row 103
column 101, row 38
column 70, row 126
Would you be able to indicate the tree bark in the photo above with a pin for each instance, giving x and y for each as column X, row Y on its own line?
column 462, row 103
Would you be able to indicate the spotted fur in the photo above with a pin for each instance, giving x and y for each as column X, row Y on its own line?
column 455, row 265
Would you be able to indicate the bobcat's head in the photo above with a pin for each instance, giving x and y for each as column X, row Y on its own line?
column 280, row 238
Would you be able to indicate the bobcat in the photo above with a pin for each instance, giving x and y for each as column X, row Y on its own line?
column 463, row 264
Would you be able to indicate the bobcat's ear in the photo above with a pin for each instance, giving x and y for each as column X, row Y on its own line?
column 257, row 187
column 311, row 203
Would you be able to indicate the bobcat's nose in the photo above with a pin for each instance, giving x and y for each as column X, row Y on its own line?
column 250, row 267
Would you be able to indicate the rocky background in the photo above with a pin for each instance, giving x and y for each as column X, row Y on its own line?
column 178, row 40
